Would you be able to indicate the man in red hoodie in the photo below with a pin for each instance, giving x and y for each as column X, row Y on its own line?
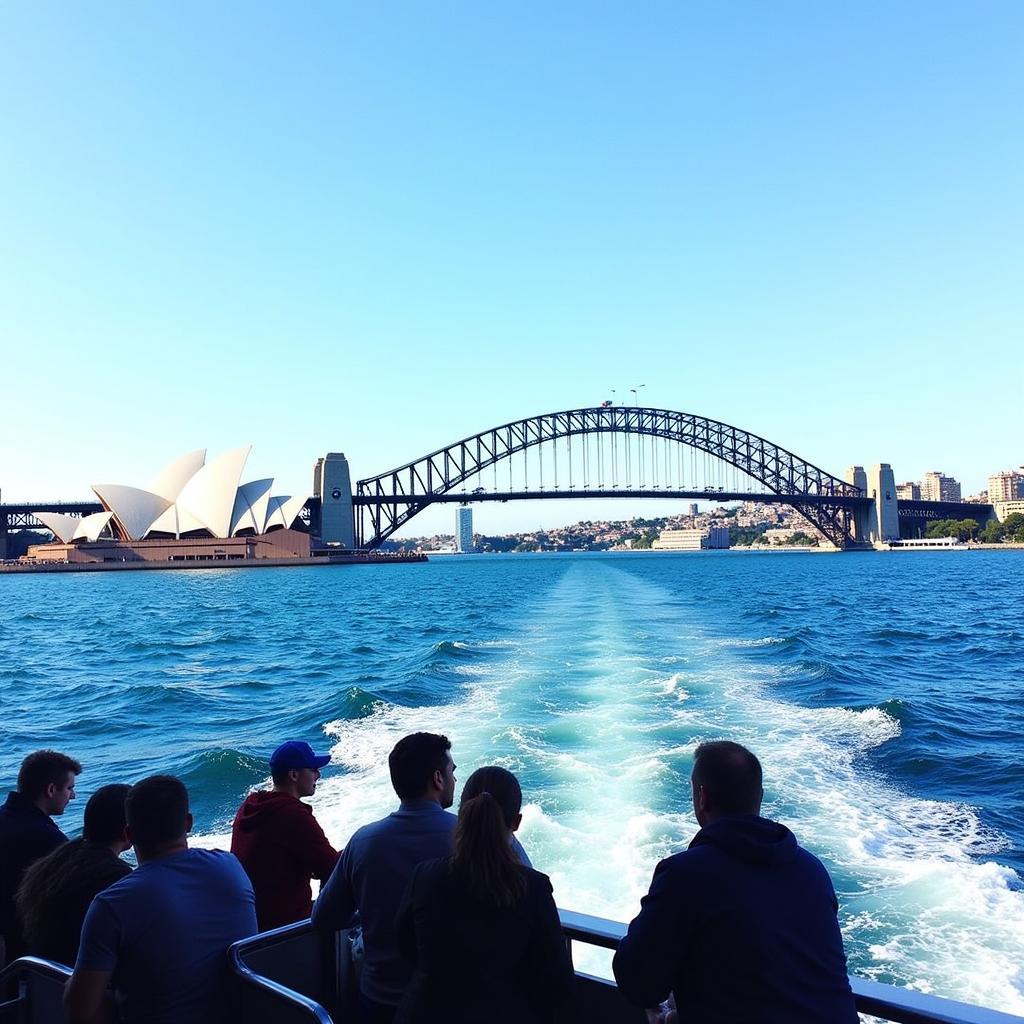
column 279, row 842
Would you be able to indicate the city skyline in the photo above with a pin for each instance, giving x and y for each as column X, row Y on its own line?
column 388, row 233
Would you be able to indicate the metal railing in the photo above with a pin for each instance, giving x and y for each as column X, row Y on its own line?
column 887, row 1002
column 600, row 997
column 288, row 975
column 32, row 991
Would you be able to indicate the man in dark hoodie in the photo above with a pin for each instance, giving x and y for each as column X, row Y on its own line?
column 279, row 842
column 741, row 926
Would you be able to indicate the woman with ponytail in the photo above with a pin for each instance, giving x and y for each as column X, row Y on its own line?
column 480, row 927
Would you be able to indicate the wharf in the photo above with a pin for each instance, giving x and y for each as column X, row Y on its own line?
column 141, row 565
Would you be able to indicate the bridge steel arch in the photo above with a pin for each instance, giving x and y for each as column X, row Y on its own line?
column 386, row 502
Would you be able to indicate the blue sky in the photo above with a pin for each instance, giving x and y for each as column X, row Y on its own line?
column 379, row 229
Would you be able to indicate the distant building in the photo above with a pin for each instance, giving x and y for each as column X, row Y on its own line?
column 716, row 537
column 910, row 491
column 692, row 509
column 1007, row 508
column 938, row 487
column 1008, row 486
column 464, row 529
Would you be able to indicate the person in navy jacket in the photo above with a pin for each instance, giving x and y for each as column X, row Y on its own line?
column 741, row 926
column 46, row 784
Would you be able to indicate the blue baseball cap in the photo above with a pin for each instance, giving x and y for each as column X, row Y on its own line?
column 296, row 754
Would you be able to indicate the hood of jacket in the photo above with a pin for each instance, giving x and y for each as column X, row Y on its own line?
column 266, row 806
column 750, row 839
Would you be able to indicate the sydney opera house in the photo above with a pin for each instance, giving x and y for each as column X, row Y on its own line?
column 192, row 510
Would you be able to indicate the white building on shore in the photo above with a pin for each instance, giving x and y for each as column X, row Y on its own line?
column 712, row 537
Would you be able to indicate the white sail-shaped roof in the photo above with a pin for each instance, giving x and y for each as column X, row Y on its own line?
column 134, row 509
column 176, row 521
column 61, row 526
column 90, row 527
column 250, row 511
column 210, row 494
column 283, row 511
column 173, row 477
column 187, row 496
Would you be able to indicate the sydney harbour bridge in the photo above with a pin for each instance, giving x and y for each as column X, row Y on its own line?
column 607, row 451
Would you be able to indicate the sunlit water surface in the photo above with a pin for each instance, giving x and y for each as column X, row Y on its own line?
column 881, row 692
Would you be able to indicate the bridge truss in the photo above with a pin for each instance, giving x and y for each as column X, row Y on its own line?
column 622, row 468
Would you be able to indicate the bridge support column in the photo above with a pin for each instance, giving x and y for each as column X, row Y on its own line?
column 864, row 519
column 882, row 488
column 333, row 484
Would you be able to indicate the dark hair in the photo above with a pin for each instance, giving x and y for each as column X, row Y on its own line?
column 414, row 760
column 43, row 767
column 501, row 784
column 49, row 897
column 483, row 856
column 104, row 814
column 280, row 777
column 730, row 775
column 157, row 811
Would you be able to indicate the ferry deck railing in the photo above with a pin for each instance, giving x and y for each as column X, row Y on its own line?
column 299, row 975
column 32, row 991
column 296, row 975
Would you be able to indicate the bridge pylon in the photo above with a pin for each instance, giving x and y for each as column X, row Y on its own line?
column 864, row 518
column 882, row 489
column 332, row 484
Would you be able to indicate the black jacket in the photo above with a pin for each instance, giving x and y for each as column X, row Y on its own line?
column 480, row 963
column 742, row 927
column 56, row 892
column 26, row 834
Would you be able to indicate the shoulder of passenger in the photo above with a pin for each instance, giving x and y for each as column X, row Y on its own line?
column 538, row 878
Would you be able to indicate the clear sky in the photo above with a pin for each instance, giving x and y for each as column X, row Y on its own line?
column 380, row 228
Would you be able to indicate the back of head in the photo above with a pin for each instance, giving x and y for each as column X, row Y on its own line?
column 157, row 812
column 483, row 857
column 414, row 760
column 730, row 775
column 42, row 768
column 502, row 785
column 105, row 814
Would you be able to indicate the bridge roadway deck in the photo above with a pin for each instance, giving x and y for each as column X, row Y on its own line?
column 453, row 497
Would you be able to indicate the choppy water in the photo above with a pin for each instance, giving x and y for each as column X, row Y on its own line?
column 882, row 693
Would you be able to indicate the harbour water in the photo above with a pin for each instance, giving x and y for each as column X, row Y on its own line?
column 882, row 693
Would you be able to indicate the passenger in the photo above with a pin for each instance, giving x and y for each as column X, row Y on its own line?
column 56, row 891
column 46, row 784
column 482, row 929
column 379, row 860
column 159, row 935
column 278, row 840
column 742, row 926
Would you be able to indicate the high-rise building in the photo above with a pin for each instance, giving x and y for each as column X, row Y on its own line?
column 938, row 487
column 693, row 509
column 464, row 529
column 1007, row 486
column 910, row 491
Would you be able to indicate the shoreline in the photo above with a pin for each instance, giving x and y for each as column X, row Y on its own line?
column 367, row 558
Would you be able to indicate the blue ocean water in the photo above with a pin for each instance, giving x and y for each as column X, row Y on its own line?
column 881, row 691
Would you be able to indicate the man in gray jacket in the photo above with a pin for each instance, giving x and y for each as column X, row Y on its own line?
column 379, row 860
